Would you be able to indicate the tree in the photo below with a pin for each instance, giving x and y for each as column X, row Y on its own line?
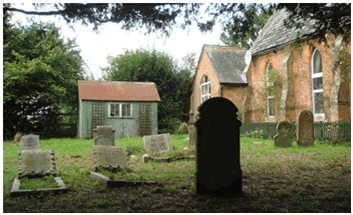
column 188, row 63
column 244, row 32
column 40, row 73
column 162, row 17
column 143, row 65
column 330, row 17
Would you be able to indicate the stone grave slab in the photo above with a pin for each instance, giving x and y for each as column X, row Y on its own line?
column 113, row 158
column 158, row 143
column 104, row 135
column 36, row 163
column 217, row 168
column 283, row 138
column 305, row 128
column 30, row 141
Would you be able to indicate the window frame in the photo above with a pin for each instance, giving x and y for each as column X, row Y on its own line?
column 316, row 75
column 120, row 104
column 268, row 83
column 205, row 85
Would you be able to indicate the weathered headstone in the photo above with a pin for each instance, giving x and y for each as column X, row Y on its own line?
column 218, row 150
column 305, row 128
column 30, row 141
column 36, row 163
column 283, row 138
column 104, row 135
column 110, row 157
column 158, row 143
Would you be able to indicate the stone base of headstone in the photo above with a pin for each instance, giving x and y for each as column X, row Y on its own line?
column 109, row 183
column 15, row 191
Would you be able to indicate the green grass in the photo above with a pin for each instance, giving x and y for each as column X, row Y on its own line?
column 296, row 179
column 38, row 183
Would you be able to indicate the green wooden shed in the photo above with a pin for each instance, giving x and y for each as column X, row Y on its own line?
column 129, row 107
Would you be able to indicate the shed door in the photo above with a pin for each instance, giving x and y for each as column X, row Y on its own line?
column 145, row 119
column 97, row 115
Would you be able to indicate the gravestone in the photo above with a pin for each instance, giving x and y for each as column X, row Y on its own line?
column 30, row 141
column 36, row 163
column 217, row 149
column 104, row 135
column 305, row 128
column 113, row 158
column 283, row 138
column 158, row 143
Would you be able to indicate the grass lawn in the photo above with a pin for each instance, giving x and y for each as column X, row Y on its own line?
column 297, row 179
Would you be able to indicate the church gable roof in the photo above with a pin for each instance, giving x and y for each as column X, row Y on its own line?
column 227, row 62
column 275, row 35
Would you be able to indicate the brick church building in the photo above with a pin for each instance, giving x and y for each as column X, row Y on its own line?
column 279, row 76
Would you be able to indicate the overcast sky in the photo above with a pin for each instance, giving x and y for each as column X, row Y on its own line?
column 112, row 40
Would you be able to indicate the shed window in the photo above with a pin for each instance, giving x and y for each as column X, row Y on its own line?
column 120, row 110
column 317, row 83
column 205, row 88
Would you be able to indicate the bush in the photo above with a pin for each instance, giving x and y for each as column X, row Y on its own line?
column 258, row 134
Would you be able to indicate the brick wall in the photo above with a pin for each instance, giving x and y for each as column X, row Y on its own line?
column 204, row 68
column 294, row 66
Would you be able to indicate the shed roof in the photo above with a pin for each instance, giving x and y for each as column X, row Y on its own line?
column 227, row 62
column 118, row 91
column 275, row 35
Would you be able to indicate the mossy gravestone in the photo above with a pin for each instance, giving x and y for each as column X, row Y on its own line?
column 36, row 163
column 30, row 141
column 305, row 128
column 113, row 158
column 104, row 135
column 218, row 151
column 283, row 138
column 158, row 143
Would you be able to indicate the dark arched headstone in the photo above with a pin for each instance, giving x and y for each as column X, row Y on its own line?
column 217, row 148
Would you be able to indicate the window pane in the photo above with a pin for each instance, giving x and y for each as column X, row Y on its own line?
column 112, row 110
column 271, row 106
column 123, row 110
column 317, row 82
column 317, row 62
column 319, row 102
column 128, row 109
column 117, row 109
